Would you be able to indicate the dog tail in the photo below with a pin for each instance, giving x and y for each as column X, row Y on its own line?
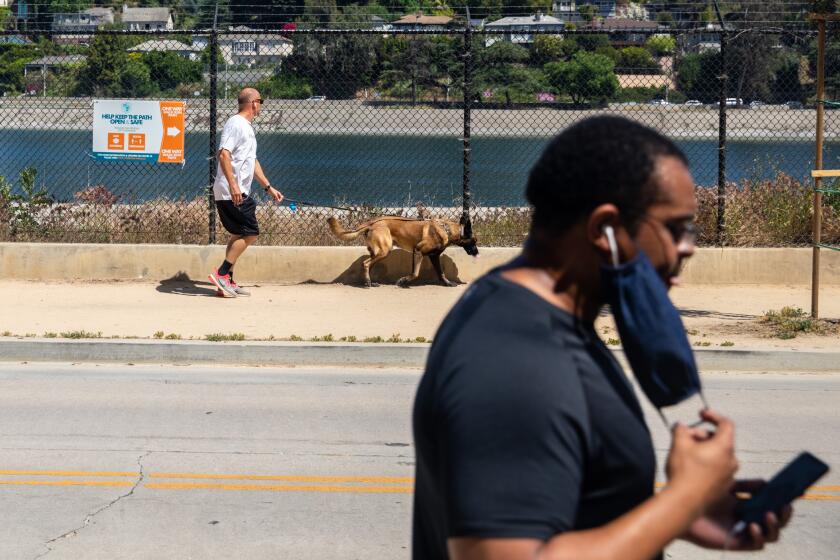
column 343, row 234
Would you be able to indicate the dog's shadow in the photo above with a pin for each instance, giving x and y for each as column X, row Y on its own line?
column 182, row 285
column 396, row 265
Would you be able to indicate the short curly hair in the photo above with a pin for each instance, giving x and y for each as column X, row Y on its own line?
column 599, row 160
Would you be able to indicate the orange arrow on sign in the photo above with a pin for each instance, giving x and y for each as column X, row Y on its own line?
column 172, row 143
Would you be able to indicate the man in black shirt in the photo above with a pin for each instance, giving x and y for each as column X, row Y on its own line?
column 530, row 440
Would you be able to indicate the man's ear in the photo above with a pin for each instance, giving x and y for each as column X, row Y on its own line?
column 601, row 217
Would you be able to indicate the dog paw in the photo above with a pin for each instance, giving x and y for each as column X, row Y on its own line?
column 373, row 285
column 402, row 282
column 449, row 284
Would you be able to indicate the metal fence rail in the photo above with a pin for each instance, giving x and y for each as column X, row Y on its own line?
column 408, row 122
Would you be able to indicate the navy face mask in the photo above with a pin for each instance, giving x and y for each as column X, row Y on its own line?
column 650, row 329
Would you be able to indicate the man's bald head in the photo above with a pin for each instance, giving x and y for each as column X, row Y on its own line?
column 247, row 95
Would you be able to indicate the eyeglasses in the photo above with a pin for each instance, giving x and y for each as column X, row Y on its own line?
column 683, row 232
column 258, row 100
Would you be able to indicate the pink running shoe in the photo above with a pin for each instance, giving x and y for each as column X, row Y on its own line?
column 223, row 283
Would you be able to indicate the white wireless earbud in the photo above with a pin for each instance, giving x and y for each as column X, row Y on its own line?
column 610, row 233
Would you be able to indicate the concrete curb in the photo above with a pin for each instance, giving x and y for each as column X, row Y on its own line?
column 347, row 354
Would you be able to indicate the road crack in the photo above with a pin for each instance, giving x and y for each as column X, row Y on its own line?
column 90, row 516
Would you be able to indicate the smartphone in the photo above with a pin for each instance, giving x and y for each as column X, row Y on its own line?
column 788, row 484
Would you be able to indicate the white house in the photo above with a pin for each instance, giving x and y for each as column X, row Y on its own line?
column 147, row 19
column 565, row 10
column 67, row 26
column 254, row 49
column 47, row 63
column 192, row 52
column 520, row 30
column 88, row 20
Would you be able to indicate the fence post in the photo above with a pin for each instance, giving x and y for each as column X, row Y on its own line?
column 721, row 194
column 211, row 148
column 465, row 215
column 818, row 164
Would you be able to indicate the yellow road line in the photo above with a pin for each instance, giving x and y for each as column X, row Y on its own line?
column 289, row 478
column 68, row 473
column 821, row 497
column 280, row 488
column 66, row 483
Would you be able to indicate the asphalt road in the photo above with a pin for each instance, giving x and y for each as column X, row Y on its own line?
column 188, row 462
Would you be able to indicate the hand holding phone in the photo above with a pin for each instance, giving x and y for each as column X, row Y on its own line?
column 788, row 484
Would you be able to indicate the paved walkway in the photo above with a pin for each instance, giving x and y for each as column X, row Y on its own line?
column 712, row 314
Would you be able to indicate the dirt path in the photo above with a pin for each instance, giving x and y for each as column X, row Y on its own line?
column 712, row 315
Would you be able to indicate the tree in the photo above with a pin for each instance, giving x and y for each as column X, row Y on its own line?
column 106, row 62
column 593, row 42
column 12, row 60
column 750, row 61
column 697, row 76
column 110, row 72
column 5, row 18
column 637, row 60
column 588, row 12
column 665, row 18
column 169, row 69
column 547, row 48
column 285, row 86
column 336, row 65
column 588, row 76
column 661, row 45
column 136, row 80
column 415, row 65
column 501, row 71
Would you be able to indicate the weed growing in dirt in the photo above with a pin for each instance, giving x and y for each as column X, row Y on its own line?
column 80, row 334
column 219, row 337
column 792, row 321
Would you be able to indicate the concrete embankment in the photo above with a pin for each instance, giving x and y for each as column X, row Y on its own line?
column 294, row 265
column 353, row 117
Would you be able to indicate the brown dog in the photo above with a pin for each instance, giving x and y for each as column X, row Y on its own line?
column 423, row 237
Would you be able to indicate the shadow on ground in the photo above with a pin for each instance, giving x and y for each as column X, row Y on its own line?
column 396, row 265
column 181, row 284
column 703, row 313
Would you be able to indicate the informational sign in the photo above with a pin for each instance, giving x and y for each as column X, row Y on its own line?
column 151, row 131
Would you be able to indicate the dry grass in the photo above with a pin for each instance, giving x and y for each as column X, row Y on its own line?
column 768, row 213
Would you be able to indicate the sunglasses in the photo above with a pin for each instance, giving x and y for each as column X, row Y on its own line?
column 258, row 100
column 683, row 232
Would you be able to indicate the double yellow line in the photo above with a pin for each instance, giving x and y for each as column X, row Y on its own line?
column 204, row 481
column 257, row 482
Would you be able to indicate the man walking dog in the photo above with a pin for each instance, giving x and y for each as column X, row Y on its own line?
column 237, row 168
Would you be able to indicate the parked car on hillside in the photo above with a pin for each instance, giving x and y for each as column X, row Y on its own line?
column 693, row 103
column 756, row 104
column 794, row 105
column 734, row 101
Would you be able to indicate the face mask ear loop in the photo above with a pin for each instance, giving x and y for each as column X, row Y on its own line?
column 664, row 420
column 703, row 398
column 610, row 233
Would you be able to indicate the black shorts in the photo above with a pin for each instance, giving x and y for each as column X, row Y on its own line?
column 239, row 220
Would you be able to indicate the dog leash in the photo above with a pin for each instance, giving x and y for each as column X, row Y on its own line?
column 292, row 203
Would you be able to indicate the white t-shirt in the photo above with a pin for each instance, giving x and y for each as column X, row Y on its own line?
column 239, row 139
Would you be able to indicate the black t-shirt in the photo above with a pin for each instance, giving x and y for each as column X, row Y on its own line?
column 525, row 425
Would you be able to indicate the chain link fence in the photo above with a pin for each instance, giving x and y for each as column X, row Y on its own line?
column 358, row 123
